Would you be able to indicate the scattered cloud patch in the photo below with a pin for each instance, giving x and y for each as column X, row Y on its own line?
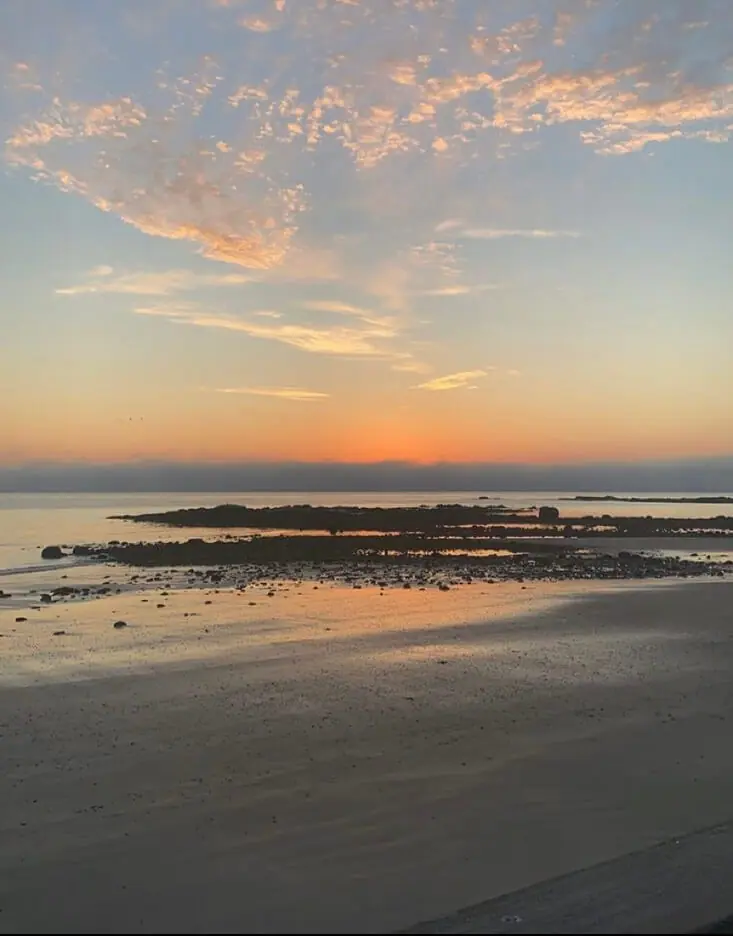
column 103, row 279
column 364, row 341
column 296, row 394
column 529, row 233
column 461, row 380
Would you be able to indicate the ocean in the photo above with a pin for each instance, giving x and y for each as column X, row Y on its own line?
column 28, row 522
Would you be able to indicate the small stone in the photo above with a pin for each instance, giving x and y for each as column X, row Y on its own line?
column 118, row 625
column 21, row 620
column 59, row 633
column 45, row 598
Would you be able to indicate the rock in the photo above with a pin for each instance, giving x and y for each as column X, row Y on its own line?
column 21, row 620
column 46, row 598
column 4, row 594
column 59, row 633
column 118, row 625
column 64, row 590
column 548, row 514
column 82, row 551
column 52, row 552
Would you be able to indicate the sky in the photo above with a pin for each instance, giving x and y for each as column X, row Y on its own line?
column 483, row 231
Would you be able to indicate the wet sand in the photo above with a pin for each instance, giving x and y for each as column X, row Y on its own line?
column 345, row 761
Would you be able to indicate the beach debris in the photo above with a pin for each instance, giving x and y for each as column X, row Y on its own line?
column 118, row 625
column 60, row 633
column 21, row 620
column 52, row 552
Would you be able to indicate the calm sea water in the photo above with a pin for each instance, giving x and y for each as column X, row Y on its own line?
column 30, row 521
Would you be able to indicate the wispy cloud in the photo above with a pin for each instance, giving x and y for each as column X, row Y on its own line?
column 257, row 24
column 367, row 341
column 295, row 394
column 103, row 279
column 344, row 308
column 459, row 381
column 530, row 233
column 459, row 289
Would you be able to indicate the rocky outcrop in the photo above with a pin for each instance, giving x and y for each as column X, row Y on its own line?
column 548, row 515
column 52, row 552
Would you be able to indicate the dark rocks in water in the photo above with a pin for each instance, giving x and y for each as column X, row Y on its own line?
column 63, row 590
column 548, row 514
column 82, row 551
column 4, row 594
column 46, row 598
column 336, row 520
column 443, row 587
column 118, row 625
column 52, row 552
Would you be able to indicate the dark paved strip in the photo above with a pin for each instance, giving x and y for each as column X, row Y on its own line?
column 683, row 885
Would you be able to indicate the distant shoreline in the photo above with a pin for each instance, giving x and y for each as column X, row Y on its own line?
column 599, row 498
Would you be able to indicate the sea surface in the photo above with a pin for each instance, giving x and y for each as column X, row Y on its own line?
column 28, row 522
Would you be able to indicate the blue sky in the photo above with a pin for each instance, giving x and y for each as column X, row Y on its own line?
column 457, row 230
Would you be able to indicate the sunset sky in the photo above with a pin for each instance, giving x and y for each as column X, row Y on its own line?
column 356, row 230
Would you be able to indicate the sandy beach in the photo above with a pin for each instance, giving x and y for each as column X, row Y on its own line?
column 336, row 760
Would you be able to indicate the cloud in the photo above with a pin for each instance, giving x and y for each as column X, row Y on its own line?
column 256, row 24
column 448, row 225
column 296, row 394
column 367, row 341
column 345, row 308
column 250, row 158
column 459, row 381
column 531, row 233
column 459, row 289
column 102, row 279
column 133, row 161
